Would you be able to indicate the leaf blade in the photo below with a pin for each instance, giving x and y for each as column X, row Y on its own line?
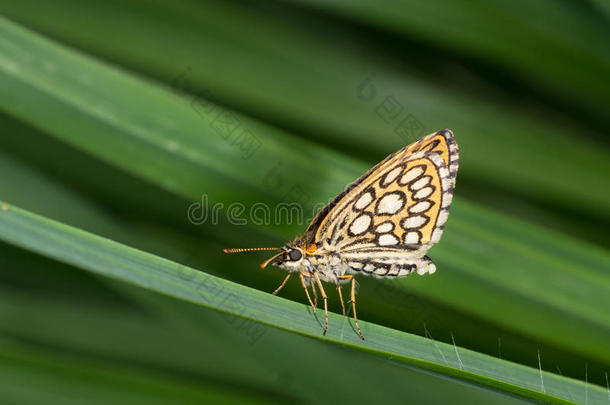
column 111, row 259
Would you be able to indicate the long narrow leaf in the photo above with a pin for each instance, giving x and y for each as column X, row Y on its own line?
column 120, row 262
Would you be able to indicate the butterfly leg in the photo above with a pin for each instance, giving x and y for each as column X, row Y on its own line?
column 315, row 295
column 341, row 297
column 307, row 292
column 353, row 301
column 277, row 290
column 325, row 298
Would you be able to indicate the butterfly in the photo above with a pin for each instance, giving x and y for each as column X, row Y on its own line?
column 381, row 225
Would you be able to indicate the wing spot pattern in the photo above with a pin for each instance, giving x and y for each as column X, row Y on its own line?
column 414, row 222
column 360, row 225
column 391, row 176
column 384, row 227
column 380, row 271
column 420, row 207
column 387, row 239
column 420, row 183
column 423, row 193
column 391, row 203
column 356, row 265
column 412, row 238
column 411, row 175
column 365, row 200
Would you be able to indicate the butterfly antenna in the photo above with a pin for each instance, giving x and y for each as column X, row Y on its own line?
column 238, row 250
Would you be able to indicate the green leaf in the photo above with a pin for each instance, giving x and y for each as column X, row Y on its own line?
column 75, row 381
column 164, row 138
column 194, row 343
column 311, row 81
column 508, row 36
column 116, row 154
column 102, row 256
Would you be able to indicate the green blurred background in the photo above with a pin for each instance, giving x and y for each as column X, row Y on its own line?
column 159, row 103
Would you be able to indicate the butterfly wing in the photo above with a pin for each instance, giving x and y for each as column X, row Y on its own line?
column 389, row 217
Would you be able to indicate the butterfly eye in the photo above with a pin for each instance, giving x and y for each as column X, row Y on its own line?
column 295, row 254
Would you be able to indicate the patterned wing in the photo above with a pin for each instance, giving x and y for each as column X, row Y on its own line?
column 443, row 143
column 387, row 219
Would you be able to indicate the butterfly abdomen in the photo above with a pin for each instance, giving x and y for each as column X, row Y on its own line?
column 391, row 268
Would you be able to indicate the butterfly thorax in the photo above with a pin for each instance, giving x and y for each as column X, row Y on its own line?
column 307, row 258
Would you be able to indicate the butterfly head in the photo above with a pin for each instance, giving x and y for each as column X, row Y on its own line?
column 290, row 257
